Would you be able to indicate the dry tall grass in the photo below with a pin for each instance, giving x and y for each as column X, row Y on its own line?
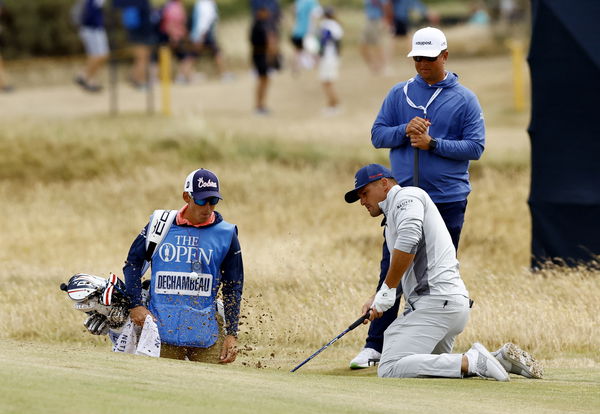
column 77, row 187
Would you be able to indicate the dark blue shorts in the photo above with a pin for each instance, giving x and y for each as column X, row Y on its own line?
column 400, row 27
column 261, row 64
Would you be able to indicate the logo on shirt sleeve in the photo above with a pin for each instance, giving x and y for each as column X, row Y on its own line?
column 404, row 204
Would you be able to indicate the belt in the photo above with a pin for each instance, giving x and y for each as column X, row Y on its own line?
column 443, row 301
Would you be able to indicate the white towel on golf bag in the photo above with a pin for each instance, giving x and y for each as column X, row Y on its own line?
column 132, row 341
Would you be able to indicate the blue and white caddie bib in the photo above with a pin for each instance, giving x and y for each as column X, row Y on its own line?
column 185, row 280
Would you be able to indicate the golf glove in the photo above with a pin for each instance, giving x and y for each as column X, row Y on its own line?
column 97, row 324
column 384, row 299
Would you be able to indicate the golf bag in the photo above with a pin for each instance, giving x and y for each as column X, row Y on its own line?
column 103, row 300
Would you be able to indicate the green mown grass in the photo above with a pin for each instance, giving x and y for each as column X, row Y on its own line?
column 42, row 378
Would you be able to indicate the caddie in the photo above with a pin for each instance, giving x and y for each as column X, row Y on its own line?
column 192, row 253
column 424, row 266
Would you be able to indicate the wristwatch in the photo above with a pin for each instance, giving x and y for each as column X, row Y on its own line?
column 432, row 144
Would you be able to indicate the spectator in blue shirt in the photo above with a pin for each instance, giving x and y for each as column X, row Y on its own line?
column 95, row 42
column 138, row 19
column 403, row 11
column 306, row 14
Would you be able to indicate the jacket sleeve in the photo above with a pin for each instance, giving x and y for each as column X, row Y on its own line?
column 232, row 284
column 133, row 269
column 387, row 131
column 471, row 146
column 409, row 212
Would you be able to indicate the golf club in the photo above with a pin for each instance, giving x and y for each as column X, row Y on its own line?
column 356, row 323
column 416, row 168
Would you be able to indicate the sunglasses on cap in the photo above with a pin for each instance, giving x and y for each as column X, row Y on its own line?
column 427, row 58
column 211, row 200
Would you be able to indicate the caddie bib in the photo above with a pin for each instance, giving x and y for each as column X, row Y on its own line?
column 185, row 280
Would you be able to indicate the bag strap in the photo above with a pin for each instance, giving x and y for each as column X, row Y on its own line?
column 159, row 226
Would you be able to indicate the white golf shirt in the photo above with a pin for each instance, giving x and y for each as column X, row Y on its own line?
column 414, row 225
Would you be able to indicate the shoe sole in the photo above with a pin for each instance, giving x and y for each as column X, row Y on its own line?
column 371, row 363
column 481, row 349
column 522, row 360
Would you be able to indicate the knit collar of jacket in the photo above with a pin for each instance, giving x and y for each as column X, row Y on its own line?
column 450, row 81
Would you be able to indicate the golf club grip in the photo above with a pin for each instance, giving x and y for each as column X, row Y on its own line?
column 360, row 320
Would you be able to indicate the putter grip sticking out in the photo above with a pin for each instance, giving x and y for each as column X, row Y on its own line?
column 359, row 321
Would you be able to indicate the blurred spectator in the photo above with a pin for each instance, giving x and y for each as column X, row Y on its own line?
column 306, row 46
column 274, row 11
column 173, row 31
column 204, row 34
column 137, row 18
column 4, row 85
column 274, row 22
column 479, row 15
column 403, row 11
column 330, row 41
column 95, row 42
column 508, row 11
column 264, row 52
column 379, row 17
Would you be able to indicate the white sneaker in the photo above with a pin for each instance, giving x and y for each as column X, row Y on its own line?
column 517, row 361
column 483, row 363
column 368, row 357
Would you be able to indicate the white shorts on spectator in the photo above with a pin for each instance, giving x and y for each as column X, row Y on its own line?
column 94, row 40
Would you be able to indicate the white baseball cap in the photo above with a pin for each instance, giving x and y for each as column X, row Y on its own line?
column 429, row 42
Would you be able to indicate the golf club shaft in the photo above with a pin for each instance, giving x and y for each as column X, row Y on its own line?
column 416, row 168
column 356, row 323
column 320, row 350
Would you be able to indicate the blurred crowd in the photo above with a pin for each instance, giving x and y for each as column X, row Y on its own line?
column 147, row 27
column 191, row 34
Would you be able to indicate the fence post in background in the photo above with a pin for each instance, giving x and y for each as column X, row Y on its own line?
column 113, row 85
column 518, row 59
column 164, row 59
column 150, row 86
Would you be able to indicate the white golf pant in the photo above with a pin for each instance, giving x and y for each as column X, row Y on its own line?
column 417, row 344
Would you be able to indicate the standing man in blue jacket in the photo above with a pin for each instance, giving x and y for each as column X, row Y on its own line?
column 193, row 252
column 433, row 126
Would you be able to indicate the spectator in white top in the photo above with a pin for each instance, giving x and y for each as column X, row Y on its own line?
column 423, row 262
column 204, row 33
column 330, row 41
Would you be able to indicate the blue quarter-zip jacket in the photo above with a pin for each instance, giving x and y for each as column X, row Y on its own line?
column 456, row 124
column 232, row 275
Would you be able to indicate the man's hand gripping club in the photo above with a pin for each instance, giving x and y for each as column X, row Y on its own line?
column 385, row 297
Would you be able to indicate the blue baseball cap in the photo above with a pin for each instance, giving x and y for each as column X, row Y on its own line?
column 364, row 176
column 202, row 184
